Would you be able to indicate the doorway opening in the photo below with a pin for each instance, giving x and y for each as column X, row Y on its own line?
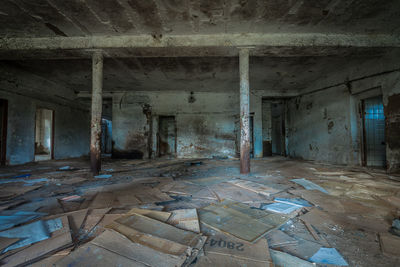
column 278, row 128
column 166, row 136
column 106, row 136
column 374, row 145
column 44, row 134
column 3, row 130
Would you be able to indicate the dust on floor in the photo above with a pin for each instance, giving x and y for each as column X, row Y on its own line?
column 285, row 212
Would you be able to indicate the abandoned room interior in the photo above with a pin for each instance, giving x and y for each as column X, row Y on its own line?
column 200, row 133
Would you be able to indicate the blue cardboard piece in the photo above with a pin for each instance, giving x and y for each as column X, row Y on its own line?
column 294, row 201
column 280, row 208
column 31, row 233
column 10, row 218
column 328, row 256
column 309, row 185
column 103, row 176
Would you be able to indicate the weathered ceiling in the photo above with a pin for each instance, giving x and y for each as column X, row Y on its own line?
column 277, row 75
column 286, row 69
column 46, row 18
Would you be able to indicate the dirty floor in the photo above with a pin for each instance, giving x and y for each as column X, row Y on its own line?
column 352, row 210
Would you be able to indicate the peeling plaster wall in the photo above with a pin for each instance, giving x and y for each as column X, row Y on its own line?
column 319, row 126
column 71, row 130
column 326, row 126
column 206, row 127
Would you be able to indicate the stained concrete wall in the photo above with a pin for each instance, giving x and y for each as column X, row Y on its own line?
column 326, row 125
column 71, row 133
column 388, row 86
column 206, row 125
column 319, row 126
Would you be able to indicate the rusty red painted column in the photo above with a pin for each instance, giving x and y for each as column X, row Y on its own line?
column 95, row 126
column 244, row 111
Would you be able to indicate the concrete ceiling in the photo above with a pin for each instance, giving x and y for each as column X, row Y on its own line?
column 292, row 66
column 285, row 76
column 46, row 18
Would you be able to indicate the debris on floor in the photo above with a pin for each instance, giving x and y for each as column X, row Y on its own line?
column 309, row 185
column 328, row 256
column 208, row 216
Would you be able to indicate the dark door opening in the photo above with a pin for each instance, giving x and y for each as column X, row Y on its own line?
column 44, row 134
column 106, row 136
column 374, row 132
column 278, row 128
column 3, row 130
column 167, row 136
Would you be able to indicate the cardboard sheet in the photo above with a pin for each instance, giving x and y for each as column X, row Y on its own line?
column 240, row 220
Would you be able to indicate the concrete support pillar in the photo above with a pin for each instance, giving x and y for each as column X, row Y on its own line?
column 97, row 88
column 244, row 111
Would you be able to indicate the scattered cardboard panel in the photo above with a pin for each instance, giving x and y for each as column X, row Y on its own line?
column 325, row 201
column 7, row 192
column 240, row 220
column 254, row 187
column 158, row 235
column 284, row 259
column 10, row 204
column 153, row 242
column 228, row 247
column 59, row 240
column 75, row 220
column 390, row 244
column 163, row 230
column 209, row 181
column 154, row 214
column 226, row 190
column 180, row 188
column 319, row 219
column 222, row 260
column 150, row 195
column 52, row 259
column 185, row 219
column 5, row 242
column 127, row 199
column 278, row 239
column 114, row 249
column 293, row 245
column 392, row 200
column 73, row 180
column 103, row 200
column 106, row 220
column 92, row 219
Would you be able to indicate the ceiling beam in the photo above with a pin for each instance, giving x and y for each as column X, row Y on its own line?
column 201, row 40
